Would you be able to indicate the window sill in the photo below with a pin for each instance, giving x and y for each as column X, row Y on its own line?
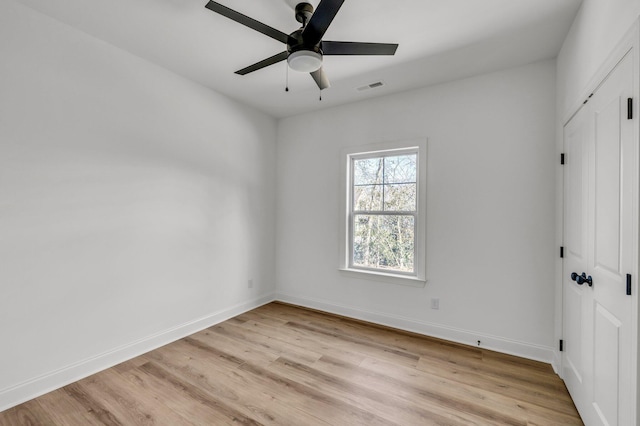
column 382, row 277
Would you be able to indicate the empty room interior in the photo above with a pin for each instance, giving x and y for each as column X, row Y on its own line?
column 337, row 212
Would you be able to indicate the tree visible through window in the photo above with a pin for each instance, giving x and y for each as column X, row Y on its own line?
column 383, row 213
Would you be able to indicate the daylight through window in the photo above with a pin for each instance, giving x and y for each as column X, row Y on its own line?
column 383, row 213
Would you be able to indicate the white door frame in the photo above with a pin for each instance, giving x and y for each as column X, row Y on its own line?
column 630, row 42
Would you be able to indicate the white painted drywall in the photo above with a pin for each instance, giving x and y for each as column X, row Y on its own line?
column 132, row 201
column 490, row 215
column 597, row 28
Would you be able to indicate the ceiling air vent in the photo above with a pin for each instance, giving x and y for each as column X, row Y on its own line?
column 371, row 86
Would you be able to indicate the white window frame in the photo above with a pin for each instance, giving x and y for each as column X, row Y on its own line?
column 418, row 278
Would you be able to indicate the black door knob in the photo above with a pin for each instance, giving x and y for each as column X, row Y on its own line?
column 582, row 278
column 577, row 278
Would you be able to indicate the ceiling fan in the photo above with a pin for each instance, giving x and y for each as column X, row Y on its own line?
column 305, row 47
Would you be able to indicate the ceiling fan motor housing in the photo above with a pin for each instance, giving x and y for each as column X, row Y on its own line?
column 296, row 43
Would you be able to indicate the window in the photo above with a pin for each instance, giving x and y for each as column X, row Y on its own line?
column 383, row 232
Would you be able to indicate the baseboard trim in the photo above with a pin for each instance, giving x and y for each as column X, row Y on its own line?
column 512, row 347
column 37, row 386
column 556, row 362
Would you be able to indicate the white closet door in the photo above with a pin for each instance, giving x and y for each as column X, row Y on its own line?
column 599, row 235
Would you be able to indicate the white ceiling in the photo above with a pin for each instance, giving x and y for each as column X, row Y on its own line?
column 440, row 40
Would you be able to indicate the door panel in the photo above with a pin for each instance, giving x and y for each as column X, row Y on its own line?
column 575, row 200
column 607, row 186
column 606, row 354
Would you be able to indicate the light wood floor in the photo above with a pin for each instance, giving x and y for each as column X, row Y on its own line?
column 284, row 365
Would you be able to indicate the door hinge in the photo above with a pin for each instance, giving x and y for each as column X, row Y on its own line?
column 629, row 108
column 561, row 345
column 628, row 284
column 561, row 252
column 562, row 158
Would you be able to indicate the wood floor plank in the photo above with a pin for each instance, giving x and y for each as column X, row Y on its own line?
column 510, row 371
column 238, row 348
column 305, row 398
column 181, row 403
column 92, row 404
column 233, row 386
column 314, row 402
column 116, row 408
column 28, row 414
column 394, row 339
column 542, row 396
column 366, row 347
column 284, row 365
column 126, row 404
column 263, row 319
column 474, row 400
column 317, row 343
column 63, row 409
column 378, row 401
column 434, row 391
column 132, row 363
column 268, row 343
column 229, row 414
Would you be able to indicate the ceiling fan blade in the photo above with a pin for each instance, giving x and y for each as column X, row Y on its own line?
column 248, row 22
column 321, row 79
column 357, row 48
column 264, row 63
column 320, row 21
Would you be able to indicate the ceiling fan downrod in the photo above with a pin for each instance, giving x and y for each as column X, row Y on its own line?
column 303, row 13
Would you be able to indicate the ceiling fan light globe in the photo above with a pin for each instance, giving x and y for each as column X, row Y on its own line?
column 305, row 61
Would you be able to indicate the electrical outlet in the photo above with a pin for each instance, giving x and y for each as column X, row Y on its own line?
column 250, row 284
column 435, row 303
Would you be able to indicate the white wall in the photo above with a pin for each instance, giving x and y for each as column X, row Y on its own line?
column 134, row 205
column 490, row 215
column 597, row 28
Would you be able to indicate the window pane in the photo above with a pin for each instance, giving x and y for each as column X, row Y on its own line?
column 367, row 171
column 400, row 169
column 383, row 242
column 367, row 197
column 400, row 197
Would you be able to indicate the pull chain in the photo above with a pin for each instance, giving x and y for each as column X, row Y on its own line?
column 320, row 91
column 286, row 88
